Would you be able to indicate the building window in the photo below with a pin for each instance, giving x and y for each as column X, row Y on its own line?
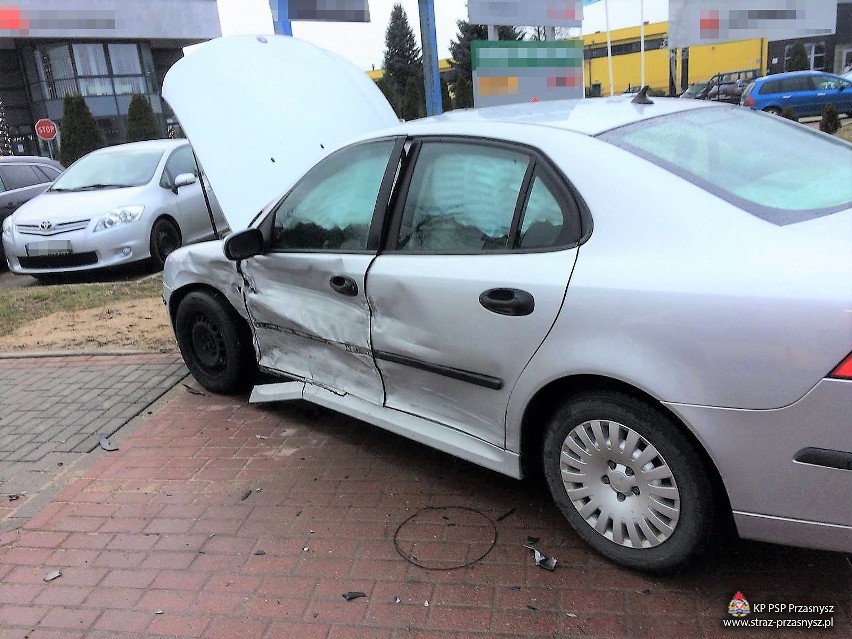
column 815, row 51
column 90, row 69
column 56, row 71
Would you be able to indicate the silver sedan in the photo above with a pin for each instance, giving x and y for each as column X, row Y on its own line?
column 650, row 301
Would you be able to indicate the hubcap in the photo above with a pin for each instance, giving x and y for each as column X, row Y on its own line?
column 208, row 344
column 620, row 484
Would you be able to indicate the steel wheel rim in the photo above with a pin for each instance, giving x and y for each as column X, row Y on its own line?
column 620, row 484
column 208, row 344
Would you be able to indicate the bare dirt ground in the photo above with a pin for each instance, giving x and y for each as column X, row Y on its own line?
column 140, row 324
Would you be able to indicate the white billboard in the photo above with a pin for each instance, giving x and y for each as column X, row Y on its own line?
column 538, row 13
column 695, row 22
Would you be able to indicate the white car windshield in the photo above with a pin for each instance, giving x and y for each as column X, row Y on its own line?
column 111, row 169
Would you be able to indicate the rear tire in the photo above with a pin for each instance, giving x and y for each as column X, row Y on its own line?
column 165, row 238
column 215, row 343
column 629, row 482
column 772, row 110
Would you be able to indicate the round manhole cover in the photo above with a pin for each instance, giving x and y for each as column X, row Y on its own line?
column 445, row 538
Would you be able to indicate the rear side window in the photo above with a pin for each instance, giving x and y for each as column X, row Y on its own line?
column 462, row 198
column 797, row 84
column 19, row 176
column 770, row 86
column 749, row 159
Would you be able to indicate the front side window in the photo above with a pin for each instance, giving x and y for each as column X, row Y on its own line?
column 332, row 207
column 743, row 157
column 181, row 161
column 462, row 198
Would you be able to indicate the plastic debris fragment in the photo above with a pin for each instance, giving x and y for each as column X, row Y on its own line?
column 530, row 542
column 107, row 445
column 259, row 552
column 543, row 561
column 53, row 574
column 246, row 495
column 193, row 391
column 349, row 596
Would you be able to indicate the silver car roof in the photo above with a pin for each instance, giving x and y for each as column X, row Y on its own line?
column 588, row 116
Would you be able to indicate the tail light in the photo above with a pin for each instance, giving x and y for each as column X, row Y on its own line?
column 749, row 101
column 843, row 370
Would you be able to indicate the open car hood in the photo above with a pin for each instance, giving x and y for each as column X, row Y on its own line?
column 261, row 110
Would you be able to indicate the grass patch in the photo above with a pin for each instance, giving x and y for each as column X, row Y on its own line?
column 21, row 305
column 845, row 132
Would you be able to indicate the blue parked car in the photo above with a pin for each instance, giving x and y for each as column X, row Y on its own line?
column 806, row 92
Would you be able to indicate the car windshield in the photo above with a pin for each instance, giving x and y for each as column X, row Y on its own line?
column 110, row 170
column 777, row 170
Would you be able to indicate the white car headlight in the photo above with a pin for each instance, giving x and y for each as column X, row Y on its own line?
column 120, row 215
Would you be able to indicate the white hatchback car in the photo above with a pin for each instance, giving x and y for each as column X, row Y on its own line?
column 114, row 206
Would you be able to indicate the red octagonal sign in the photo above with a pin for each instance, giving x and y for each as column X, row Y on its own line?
column 45, row 129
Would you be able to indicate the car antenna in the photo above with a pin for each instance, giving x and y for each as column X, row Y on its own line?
column 642, row 96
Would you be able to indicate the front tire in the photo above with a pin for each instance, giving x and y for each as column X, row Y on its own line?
column 165, row 238
column 215, row 343
column 629, row 482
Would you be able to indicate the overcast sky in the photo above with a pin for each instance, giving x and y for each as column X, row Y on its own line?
column 364, row 44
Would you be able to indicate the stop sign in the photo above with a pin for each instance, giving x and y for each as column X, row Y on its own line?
column 45, row 129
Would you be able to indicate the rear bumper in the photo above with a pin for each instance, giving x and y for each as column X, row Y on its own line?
column 774, row 497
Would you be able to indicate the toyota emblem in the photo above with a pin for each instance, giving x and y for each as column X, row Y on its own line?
column 46, row 225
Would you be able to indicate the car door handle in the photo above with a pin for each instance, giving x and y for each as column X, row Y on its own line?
column 344, row 285
column 507, row 301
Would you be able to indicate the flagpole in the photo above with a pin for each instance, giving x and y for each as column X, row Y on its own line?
column 642, row 43
column 608, row 47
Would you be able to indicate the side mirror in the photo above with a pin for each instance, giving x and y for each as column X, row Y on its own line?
column 184, row 179
column 245, row 244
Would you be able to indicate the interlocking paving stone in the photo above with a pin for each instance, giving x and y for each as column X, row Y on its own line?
column 53, row 410
column 160, row 525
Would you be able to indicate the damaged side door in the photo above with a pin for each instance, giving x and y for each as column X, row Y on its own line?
column 305, row 295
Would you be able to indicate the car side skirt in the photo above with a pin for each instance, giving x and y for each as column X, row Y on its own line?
column 794, row 532
column 424, row 431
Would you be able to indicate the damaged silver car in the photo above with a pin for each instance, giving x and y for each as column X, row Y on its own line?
column 634, row 296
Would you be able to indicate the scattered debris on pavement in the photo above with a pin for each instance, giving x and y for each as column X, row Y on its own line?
column 194, row 391
column 349, row 596
column 51, row 575
column 107, row 445
column 259, row 553
column 544, row 561
column 531, row 542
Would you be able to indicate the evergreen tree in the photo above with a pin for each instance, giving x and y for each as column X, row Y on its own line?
column 386, row 87
column 413, row 102
column 830, row 121
column 80, row 132
column 141, row 122
column 460, row 47
column 799, row 60
column 402, row 55
column 464, row 94
column 446, row 102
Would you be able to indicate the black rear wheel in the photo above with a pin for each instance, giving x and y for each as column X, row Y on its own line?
column 215, row 342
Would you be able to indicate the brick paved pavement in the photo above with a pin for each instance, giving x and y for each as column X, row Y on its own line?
column 164, row 537
column 54, row 409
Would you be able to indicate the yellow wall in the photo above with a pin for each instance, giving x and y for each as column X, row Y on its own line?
column 704, row 61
